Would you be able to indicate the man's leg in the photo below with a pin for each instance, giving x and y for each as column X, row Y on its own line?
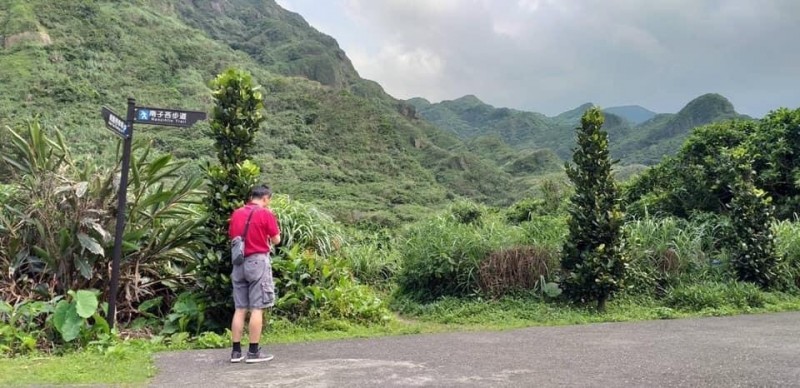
column 237, row 325
column 256, row 321
column 261, row 295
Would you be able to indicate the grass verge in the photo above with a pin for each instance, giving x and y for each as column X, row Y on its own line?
column 130, row 363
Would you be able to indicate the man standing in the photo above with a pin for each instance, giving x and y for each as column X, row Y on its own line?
column 253, row 287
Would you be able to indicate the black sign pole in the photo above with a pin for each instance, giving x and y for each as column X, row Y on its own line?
column 122, row 203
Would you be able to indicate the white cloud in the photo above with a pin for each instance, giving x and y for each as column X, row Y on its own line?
column 403, row 70
column 551, row 55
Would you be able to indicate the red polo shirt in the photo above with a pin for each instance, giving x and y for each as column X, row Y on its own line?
column 263, row 225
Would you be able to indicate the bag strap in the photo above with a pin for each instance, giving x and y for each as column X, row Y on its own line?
column 247, row 225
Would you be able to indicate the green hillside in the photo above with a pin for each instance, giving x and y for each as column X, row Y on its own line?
column 644, row 143
column 331, row 138
column 665, row 133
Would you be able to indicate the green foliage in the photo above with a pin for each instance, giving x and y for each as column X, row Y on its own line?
column 77, row 320
column 22, row 326
column 234, row 122
column 716, row 296
column 306, row 226
column 372, row 256
column 787, row 247
column 20, row 18
column 236, row 116
column 465, row 212
column 442, row 256
column 702, row 176
column 211, row 340
column 546, row 231
column 78, row 317
column 753, row 251
column 312, row 280
column 316, row 287
column 55, row 231
column 551, row 201
column 593, row 262
column 698, row 179
column 775, row 147
column 664, row 252
column 186, row 316
column 524, row 210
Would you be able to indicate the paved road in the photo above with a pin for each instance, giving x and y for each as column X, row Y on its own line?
column 751, row 350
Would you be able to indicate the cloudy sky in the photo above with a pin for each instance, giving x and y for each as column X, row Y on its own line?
column 553, row 55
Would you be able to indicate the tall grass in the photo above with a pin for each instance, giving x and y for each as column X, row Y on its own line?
column 305, row 226
column 442, row 256
column 662, row 251
column 545, row 231
column 787, row 247
column 373, row 257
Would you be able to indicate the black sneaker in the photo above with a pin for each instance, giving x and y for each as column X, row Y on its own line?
column 258, row 357
column 236, row 356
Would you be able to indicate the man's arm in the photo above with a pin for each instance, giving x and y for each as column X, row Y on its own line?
column 273, row 229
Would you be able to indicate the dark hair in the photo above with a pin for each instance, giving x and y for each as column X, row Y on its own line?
column 260, row 191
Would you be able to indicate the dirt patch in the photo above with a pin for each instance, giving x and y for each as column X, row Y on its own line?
column 30, row 36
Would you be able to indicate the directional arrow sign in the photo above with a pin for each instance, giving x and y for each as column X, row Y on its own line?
column 115, row 123
column 170, row 117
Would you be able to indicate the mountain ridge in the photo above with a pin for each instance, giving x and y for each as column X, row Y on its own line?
column 633, row 143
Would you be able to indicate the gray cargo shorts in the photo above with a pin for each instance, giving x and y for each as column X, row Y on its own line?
column 253, row 287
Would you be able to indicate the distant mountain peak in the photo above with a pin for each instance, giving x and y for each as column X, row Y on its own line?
column 712, row 103
column 418, row 102
column 633, row 113
column 575, row 114
column 470, row 99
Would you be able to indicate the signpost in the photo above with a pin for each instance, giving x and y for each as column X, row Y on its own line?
column 124, row 129
column 115, row 123
column 169, row 117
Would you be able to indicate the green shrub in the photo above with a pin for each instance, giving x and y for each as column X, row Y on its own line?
column 78, row 317
column 57, row 225
column 715, row 295
column 22, row 326
column 466, row 212
column 312, row 279
column 187, row 315
column 442, row 257
column 524, row 210
column 310, row 286
column 77, row 320
column 752, row 247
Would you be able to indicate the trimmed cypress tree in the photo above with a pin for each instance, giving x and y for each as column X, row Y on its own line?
column 234, row 122
column 592, row 262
